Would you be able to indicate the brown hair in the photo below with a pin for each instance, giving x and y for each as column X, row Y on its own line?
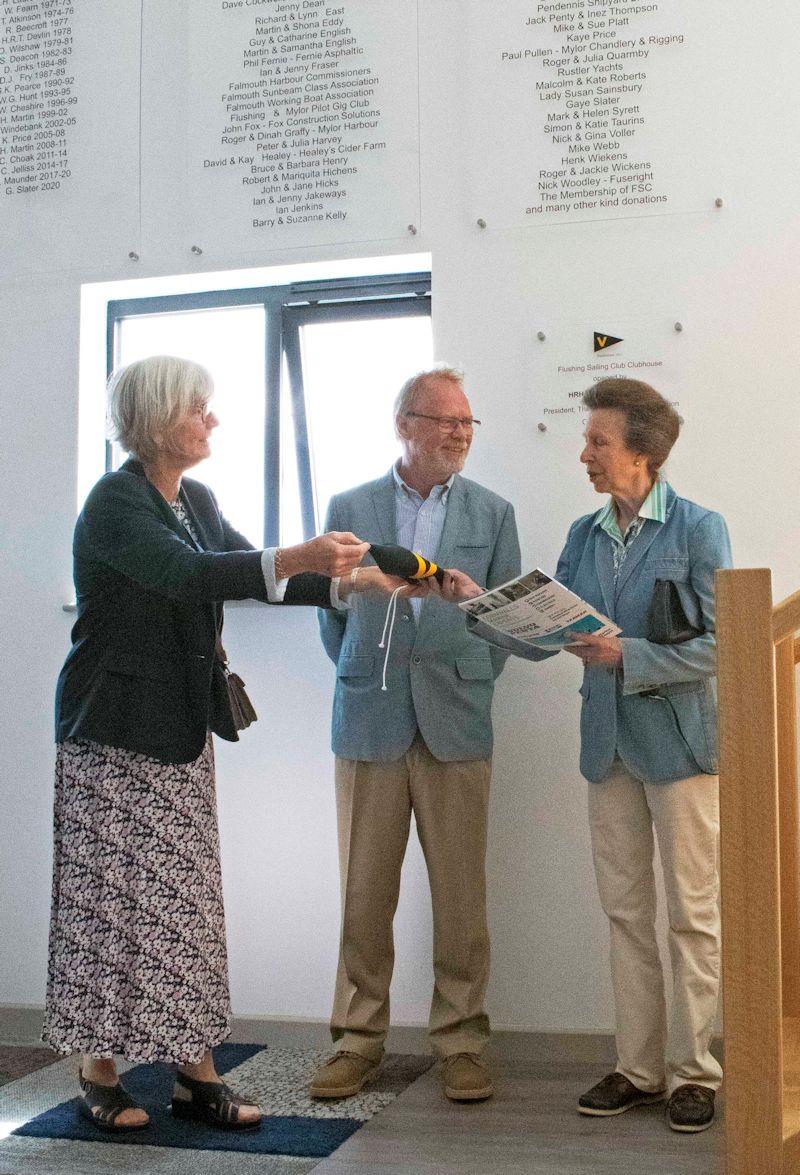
column 651, row 423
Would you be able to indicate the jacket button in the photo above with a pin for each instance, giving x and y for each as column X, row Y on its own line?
column 417, row 660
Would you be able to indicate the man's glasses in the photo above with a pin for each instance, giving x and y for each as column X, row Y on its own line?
column 448, row 423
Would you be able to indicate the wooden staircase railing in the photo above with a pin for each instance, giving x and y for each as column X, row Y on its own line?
column 760, row 872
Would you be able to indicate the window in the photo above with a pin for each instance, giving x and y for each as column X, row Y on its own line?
column 304, row 380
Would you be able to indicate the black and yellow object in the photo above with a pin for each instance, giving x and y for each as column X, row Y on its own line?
column 405, row 564
column 603, row 342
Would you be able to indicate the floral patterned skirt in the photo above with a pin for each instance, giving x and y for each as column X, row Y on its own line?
column 138, row 964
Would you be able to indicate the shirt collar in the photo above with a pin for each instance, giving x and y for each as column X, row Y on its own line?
column 654, row 507
column 438, row 491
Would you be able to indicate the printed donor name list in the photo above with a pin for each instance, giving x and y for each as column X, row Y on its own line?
column 311, row 125
column 599, row 95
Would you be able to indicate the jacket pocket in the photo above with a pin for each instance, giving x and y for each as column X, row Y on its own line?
column 473, row 668
column 675, row 569
column 696, row 726
column 355, row 665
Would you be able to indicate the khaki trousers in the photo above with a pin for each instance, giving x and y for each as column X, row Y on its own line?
column 374, row 802
column 623, row 811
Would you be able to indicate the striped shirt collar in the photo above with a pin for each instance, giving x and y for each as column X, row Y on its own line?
column 438, row 491
column 654, row 506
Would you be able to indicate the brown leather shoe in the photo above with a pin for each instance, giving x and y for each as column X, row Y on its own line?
column 691, row 1108
column 614, row 1095
column 343, row 1075
column 466, row 1078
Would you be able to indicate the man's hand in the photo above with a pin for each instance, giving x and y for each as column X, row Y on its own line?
column 457, row 587
column 597, row 650
column 372, row 579
column 334, row 553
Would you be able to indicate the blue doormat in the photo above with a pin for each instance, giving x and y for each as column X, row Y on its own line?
column 277, row 1079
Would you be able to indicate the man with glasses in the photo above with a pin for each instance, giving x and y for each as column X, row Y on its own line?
column 412, row 732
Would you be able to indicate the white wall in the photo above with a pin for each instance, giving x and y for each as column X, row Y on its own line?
column 731, row 277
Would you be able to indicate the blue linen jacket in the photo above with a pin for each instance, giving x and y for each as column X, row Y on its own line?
column 440, row 678
column 659, row 714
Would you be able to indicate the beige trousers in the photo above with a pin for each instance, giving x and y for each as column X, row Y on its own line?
column 374, row 802
column 623, row 811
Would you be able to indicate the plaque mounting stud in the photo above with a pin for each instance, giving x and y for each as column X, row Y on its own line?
column 679, row 327
column 481, row 223
column 719, row 202
column 541, row 336
column 197, row 250
column 133, row 256
column 541, row 427
column 412, row 228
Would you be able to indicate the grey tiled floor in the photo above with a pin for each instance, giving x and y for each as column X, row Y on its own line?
column 529, row 1128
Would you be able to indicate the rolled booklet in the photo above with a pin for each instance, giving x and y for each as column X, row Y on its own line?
column 540, row 611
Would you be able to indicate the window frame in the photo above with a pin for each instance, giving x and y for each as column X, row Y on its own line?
column 286, row 309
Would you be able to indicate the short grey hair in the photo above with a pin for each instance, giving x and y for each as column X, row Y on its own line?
column 147, row 398
column 417, row 383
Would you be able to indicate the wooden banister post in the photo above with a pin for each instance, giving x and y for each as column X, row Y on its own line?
column 788, row 823
column 751, row 933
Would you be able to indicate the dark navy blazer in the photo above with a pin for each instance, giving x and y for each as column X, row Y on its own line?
column 141, row 672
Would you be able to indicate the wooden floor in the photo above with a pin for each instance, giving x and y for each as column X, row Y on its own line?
column 530, row 1127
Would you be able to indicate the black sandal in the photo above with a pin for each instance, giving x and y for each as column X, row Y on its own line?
column 212, row 1102
column 109, row 1101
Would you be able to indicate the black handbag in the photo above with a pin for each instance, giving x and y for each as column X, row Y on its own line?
column 667, row 623
column 242, row 709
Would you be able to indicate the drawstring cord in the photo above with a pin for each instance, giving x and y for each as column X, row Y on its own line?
column 388, row 623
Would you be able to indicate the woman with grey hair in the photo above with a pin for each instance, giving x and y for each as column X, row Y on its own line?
column 137, row 963
column 647, row 560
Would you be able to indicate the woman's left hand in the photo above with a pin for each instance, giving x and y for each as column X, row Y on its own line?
column 605, row 651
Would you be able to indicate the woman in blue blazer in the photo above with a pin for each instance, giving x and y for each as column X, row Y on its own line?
column 137, row 961
column 649, row 751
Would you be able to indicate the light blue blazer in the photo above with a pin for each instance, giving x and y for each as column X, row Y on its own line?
column 659, row 714
column 440, row 677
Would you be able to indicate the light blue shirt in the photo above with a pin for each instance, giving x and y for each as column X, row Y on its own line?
column 420, row 521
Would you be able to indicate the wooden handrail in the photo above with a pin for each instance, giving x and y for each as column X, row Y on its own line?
column 786, row 617
column 751, row 906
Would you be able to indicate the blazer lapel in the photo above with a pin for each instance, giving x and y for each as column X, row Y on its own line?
column 454, row 522
column 650, row 532
column 604, row 566
column 198, row 521
column 164, row 510
column 639, row 549
column 384, row 508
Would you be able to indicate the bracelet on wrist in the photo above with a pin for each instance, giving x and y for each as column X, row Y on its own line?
column 353, row 577
column 280, row 571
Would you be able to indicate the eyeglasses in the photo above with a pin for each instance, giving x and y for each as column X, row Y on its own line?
column 449, row 423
